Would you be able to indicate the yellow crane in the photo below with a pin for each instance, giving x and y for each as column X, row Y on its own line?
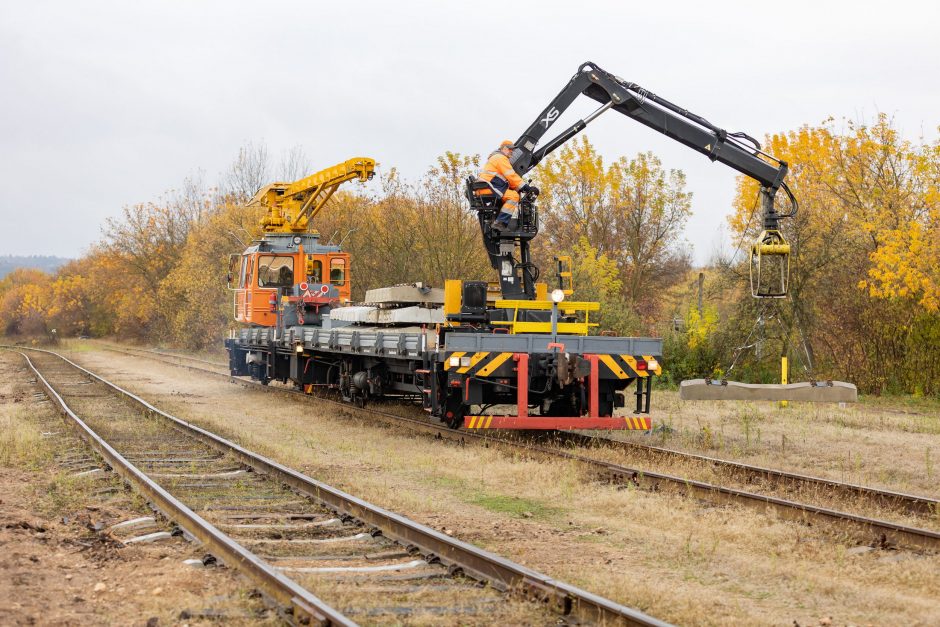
column 291, row 206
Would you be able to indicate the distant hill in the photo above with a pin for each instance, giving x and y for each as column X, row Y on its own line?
column 9, row 263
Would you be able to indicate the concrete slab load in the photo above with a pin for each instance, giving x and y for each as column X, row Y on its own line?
column 405, row 294
column 814, row 392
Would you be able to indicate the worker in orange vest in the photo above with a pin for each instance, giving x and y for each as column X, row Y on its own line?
column 500, row 174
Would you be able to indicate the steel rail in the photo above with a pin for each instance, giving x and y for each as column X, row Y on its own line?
column 474, row 561
column 866, row 529
column 909, row 503
column 906, row 502
column 302, row 603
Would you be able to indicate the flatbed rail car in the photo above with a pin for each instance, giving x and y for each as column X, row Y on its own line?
column 574, row 382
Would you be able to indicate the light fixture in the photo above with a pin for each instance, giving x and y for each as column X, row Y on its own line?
column 297, row 240
column 558, row 295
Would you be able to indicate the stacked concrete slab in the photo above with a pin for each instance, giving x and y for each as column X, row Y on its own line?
column 416, row 294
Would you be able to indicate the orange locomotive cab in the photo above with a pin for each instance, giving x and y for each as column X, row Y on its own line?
column 283, row 265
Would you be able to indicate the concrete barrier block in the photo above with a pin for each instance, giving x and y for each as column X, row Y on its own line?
column 818, row 392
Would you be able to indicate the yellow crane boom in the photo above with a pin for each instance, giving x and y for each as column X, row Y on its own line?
column 291, row 206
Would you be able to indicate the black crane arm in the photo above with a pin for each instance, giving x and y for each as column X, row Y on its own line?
column 737, row 150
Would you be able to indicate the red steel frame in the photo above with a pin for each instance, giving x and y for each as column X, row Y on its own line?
column 523, row 421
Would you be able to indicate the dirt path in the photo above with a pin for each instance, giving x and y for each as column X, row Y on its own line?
column 670, row 556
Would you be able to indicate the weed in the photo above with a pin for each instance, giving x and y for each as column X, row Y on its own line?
column 516, row 506
column 749, row 418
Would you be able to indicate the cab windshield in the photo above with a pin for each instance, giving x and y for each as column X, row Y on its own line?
column 275, row 271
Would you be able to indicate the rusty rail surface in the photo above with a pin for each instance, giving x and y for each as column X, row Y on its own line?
column 501, row 573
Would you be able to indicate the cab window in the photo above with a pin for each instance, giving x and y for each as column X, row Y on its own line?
column 249, row 268
column 275, row 271
column 243, row 275
column 338, row 271
column 316, row 271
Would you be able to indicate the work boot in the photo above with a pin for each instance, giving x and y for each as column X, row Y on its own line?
column 501, row 222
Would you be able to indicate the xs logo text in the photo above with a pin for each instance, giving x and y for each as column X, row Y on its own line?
column 550, row 117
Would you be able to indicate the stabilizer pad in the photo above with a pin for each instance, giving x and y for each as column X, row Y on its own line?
column 814, row 391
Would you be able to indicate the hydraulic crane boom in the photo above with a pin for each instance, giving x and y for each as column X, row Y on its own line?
column 769, row 254
column 736, row 150
column 291, row 206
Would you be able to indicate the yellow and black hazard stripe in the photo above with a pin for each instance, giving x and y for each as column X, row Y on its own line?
column 482, row 364
column 625, row 366
column 630, row 362
column 637, row 423
column 479, row 422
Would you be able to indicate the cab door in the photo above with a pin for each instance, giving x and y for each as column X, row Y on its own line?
column 339, row 274
column 272, row 272
column 243, row 289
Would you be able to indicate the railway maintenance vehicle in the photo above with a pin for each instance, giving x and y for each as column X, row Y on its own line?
column 468, row 351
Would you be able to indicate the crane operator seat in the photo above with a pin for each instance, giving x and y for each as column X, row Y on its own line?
column 483, row 196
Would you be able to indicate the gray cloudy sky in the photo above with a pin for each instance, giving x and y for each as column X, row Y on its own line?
column 110, row 103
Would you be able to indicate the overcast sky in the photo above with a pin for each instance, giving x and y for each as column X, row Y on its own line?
column 106, row 104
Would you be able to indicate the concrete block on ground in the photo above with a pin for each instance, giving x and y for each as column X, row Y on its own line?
column 819, row 392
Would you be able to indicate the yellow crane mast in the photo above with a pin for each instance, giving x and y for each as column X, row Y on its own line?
column 291, row 206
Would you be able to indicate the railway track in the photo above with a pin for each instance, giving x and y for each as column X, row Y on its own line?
column 865, row 529
column 322, row 555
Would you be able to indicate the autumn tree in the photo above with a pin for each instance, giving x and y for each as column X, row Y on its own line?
column 197, row 284
column 904, row 265
column 144, row 245
column 412, row 231
column 858, row 189
column 250, row 170
column 633, row 212
column 25, row 297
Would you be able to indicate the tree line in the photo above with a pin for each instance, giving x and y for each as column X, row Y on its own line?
column 864, row 301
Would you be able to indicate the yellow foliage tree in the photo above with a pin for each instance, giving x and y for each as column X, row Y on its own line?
column 864, row 205
column 633, row 212
column 905, row 263
column 25, row 296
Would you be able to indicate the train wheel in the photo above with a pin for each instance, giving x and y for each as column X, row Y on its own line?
column 454, row 411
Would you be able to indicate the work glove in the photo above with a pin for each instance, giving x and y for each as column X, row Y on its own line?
column 530, row 189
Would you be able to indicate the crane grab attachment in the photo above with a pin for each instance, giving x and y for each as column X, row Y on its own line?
column 291, row 206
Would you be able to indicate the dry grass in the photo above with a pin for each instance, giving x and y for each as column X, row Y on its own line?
column 865, row 444
column 20, row 440
column 668, row 555
column 56, row 576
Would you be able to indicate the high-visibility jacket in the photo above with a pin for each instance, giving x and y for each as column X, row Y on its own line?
column 498, row 171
